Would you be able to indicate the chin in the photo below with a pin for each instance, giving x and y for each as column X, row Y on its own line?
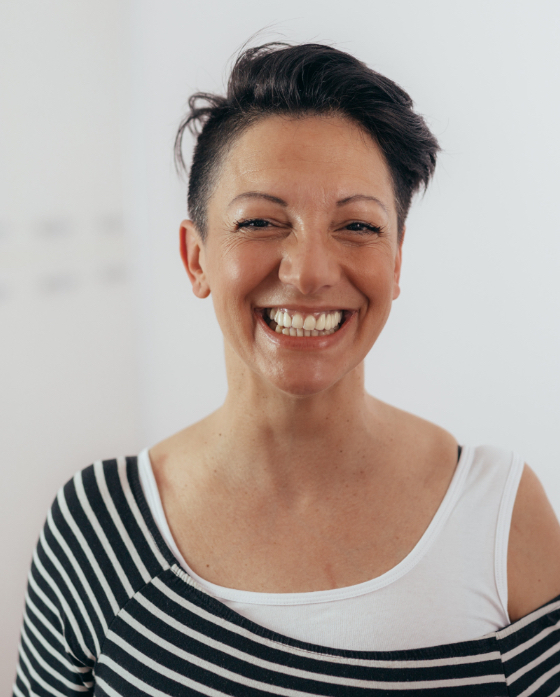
column 306, row 378
column 303, row 388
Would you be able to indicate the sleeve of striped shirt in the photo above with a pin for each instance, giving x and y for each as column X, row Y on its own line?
column 94, row 553
column 58, row 638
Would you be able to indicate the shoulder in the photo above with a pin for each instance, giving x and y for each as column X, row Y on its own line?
column 411, row 426
column 94, row 490
column 533, row 550
column 94, row 553
column 418, row 439
column 101, row 529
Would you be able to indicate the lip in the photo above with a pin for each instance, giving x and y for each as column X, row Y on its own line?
column 303, row 343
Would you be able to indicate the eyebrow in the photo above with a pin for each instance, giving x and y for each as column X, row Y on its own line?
column 284, row 204
column 362, row 197
column 259, row 194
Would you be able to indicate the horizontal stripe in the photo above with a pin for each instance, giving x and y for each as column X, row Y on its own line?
column 526, row 645
column 540, row 681
column 529, row 619
column 149, row 689
column 533, row 664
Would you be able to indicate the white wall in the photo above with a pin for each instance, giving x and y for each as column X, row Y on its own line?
column 68, row 373
column 474, row 339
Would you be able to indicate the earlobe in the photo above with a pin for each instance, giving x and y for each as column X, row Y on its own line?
column 192, row 254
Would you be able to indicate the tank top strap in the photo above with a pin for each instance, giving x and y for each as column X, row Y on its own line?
column 513, row 467
column 478, row 528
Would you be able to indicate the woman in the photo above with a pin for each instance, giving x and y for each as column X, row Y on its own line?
column 305, row 538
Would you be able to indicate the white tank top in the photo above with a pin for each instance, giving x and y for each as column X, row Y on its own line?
column 451, row 587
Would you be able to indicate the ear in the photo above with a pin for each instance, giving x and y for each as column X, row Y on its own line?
column 192, row 254
column 398, row 264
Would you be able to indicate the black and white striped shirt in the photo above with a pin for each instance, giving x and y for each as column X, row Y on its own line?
column 110, row 613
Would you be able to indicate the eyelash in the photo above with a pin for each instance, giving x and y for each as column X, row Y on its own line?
column 369, row 228
column 250, row 222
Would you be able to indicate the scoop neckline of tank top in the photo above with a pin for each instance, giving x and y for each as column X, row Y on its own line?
column 323, row 596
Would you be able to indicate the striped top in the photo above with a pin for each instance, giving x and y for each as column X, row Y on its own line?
column 109, row 612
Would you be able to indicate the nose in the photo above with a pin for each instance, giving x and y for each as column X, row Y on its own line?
column 308, row 263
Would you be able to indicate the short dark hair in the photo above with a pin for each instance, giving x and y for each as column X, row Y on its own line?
column 306, row 79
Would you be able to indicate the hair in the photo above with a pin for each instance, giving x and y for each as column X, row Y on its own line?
column 303, row 80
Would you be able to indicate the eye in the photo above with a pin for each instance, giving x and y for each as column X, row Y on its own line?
column 364, row 228
column 252, row 223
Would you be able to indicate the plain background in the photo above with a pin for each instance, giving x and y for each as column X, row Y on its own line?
column 103, row 348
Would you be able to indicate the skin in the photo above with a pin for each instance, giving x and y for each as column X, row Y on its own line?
column 302, row 481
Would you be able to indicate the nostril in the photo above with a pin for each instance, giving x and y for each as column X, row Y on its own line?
column 309, row 272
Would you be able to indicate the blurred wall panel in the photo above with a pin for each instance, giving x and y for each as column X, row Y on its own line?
column 68, row 392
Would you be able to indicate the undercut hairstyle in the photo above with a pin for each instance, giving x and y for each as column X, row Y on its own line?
column 278, row 79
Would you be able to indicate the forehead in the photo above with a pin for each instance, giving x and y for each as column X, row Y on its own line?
column 326, row 156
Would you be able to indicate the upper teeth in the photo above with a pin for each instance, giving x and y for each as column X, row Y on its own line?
column 323, row 321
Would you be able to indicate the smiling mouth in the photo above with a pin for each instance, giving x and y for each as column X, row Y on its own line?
column 292, row 323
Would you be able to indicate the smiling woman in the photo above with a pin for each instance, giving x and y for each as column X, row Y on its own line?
column 306, row 538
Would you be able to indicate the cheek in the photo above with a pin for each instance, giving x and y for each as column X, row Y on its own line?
column 238, row 272
column 374, row 277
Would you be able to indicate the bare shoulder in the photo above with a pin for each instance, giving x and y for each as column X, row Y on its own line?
column 534, row 549
column 426, row 452
column 432, row 434
column 419, row 435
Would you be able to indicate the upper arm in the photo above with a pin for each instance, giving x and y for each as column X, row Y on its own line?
column 533, row 550
column 53, row 654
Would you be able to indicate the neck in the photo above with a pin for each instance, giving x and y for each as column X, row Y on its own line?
column 266, row 436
